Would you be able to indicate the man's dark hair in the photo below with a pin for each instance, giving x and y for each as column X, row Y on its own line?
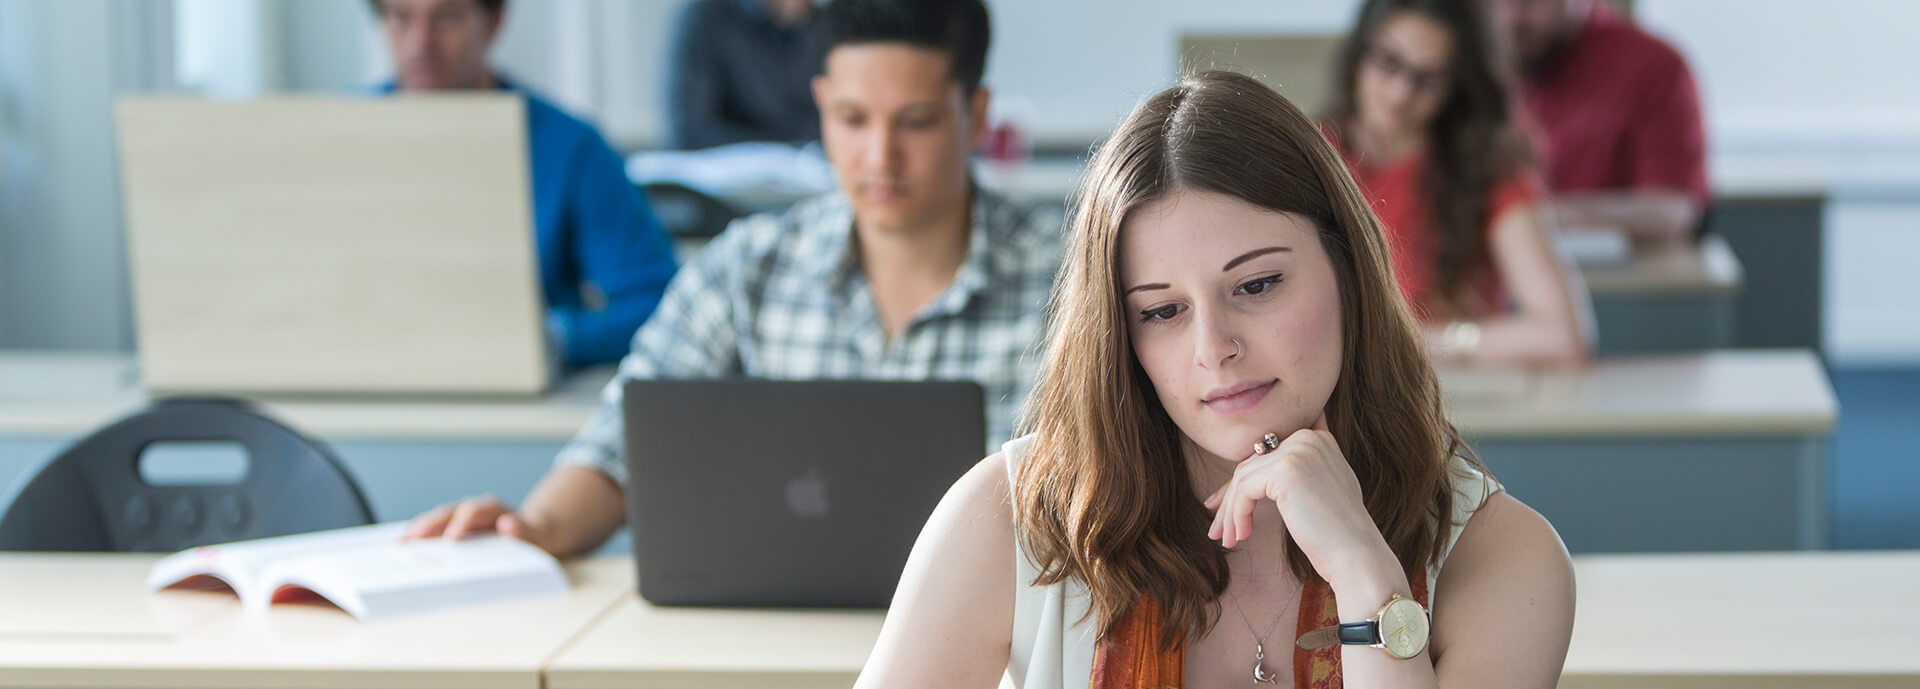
column 493, row 6
column 958, row 28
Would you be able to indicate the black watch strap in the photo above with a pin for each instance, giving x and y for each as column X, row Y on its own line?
column 1351, row 633
column 1360, row 633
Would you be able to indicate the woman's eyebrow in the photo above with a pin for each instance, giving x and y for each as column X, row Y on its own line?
column 1256, row 253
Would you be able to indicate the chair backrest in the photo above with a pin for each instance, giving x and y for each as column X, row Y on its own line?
column 92, row 497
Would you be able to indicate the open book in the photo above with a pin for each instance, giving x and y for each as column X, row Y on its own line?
column 367, row 571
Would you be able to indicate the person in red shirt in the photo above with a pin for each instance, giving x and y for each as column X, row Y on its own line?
column 1422, row 112
column 1619, row 115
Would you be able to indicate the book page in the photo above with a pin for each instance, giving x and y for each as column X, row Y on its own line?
column 241, row 563
column 391, row 576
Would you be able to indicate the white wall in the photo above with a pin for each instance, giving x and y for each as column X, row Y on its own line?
column 1802, row 76
column 62, row 265
column 1872, row 314
column 328, row 45
column 227, row 48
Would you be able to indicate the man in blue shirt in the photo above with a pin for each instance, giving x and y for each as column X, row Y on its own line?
column 604, row 258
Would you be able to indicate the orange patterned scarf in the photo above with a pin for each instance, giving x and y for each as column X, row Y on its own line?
column 1131, row 657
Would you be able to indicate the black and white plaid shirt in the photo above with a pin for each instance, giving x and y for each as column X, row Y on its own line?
column 783, row 297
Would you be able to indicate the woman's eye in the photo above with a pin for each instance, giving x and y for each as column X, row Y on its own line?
column 1257, row 285
column 1164, row 313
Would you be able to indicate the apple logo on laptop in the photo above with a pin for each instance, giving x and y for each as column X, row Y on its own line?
column 807, row 495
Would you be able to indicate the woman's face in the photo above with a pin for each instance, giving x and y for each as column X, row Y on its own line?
column 1404, row 78
column 1200, row 271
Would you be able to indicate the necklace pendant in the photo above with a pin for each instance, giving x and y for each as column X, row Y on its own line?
column 1260, row 673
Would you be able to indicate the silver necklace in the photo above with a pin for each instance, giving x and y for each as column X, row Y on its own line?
column 1260, row 640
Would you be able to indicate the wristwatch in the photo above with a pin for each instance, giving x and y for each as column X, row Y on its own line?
column 1401, row 629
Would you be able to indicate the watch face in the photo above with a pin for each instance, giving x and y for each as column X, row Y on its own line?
column 1403, row 628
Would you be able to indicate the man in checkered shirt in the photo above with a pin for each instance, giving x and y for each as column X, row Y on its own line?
column 910, row 272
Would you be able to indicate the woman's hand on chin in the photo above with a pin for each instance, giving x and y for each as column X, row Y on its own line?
column 1308, row 478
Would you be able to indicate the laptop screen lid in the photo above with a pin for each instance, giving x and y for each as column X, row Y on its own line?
column 768, row 493
column 333, row 245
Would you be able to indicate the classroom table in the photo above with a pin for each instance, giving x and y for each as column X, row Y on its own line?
column 1651, row 621
column 86, row 620
column 1764, row 620
column 1836, row 620
column 1665, row 298
column 642, row 646
column 1720, row 450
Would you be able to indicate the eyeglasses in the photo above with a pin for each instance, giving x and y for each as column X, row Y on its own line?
column 1420, row 78
column 440, row 19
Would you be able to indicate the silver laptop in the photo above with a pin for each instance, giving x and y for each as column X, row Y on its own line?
column 789, row 493
column 333, row 244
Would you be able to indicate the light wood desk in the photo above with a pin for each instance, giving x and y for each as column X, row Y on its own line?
column 1836, row 620
column 1727, row 392
column 1709, row 267
column 640, row 646
column 85, row 621
column 1698, row 621
column 1721, row 450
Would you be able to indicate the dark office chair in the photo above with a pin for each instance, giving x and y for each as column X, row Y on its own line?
column 687, row 212
column 92, row 497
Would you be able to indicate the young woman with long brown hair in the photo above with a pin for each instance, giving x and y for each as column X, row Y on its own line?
column 1423, row 114
column 1236, row 445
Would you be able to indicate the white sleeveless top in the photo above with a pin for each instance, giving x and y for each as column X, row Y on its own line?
column 1053, row 646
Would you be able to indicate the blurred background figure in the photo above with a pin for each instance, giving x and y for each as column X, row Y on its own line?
column 1619, row 115
column 1421, row 112
column 739, row 71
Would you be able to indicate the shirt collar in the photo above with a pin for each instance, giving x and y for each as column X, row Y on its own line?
column 500, row 83
column 838, row 262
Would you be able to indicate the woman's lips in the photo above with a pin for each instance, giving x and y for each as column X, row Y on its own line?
column 1237, row 398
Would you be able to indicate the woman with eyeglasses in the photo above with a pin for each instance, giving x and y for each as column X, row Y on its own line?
column 1424, row 117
